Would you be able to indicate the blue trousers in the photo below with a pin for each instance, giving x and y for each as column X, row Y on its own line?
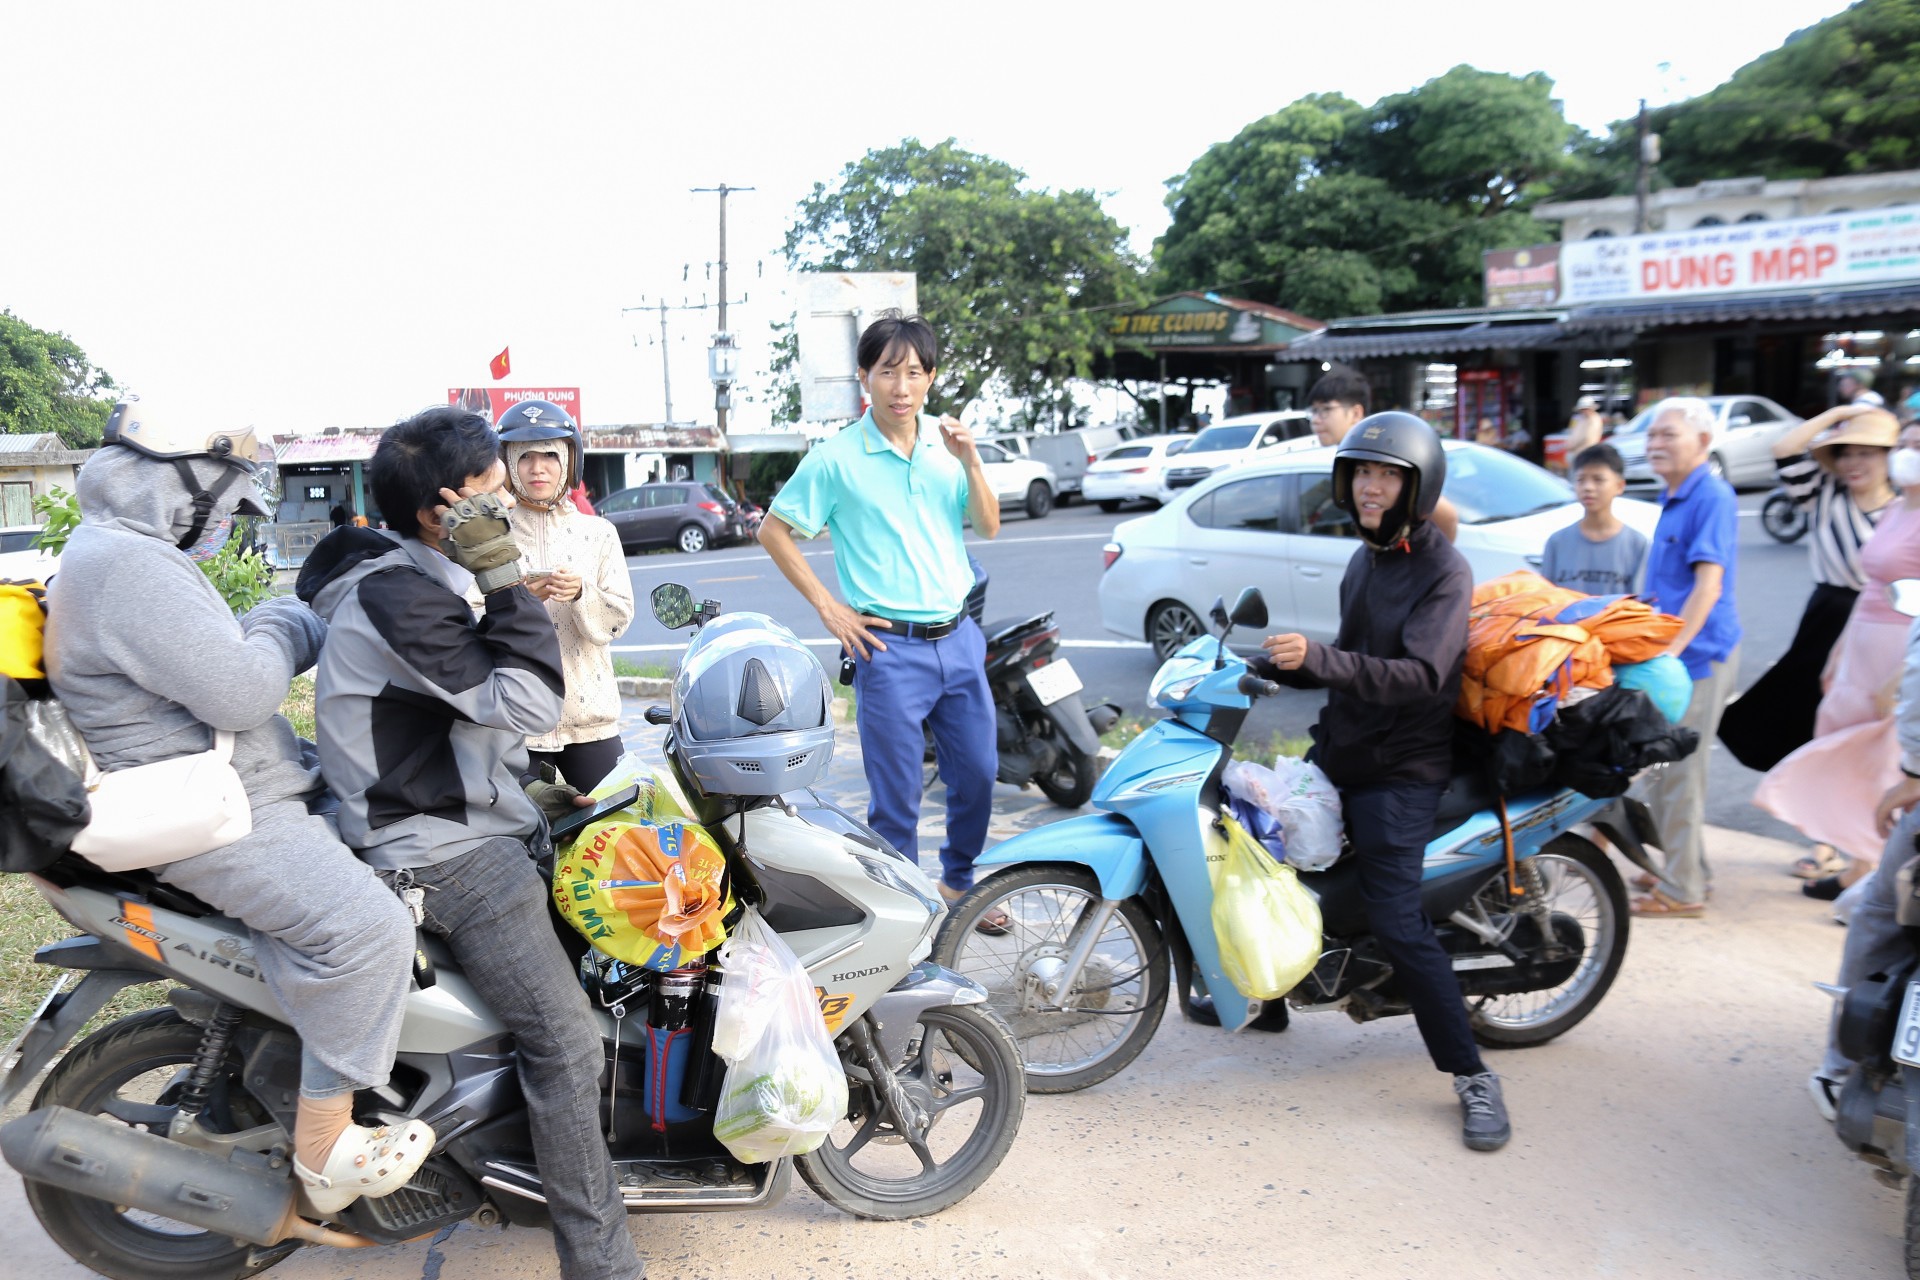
column 1389, row 826
column 943, row 682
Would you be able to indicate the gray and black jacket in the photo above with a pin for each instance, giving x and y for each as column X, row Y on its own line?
column 422, row 712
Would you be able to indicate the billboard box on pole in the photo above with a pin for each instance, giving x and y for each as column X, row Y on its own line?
column 833, row 308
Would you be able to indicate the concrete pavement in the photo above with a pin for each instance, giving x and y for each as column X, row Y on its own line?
column 1668, row 1135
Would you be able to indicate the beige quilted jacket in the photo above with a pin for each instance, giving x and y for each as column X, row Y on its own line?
column 564, row 538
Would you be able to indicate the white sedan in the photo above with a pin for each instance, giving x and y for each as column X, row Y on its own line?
column 20, row 560
column 1273, row 525
column 1017, row 481
column 1133, row 472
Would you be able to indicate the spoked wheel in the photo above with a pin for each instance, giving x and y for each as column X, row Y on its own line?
column 961, row 1074
column 1578, row 892
column 1070, row 1039
column 1783, row 518
column 1170, row 626
column 132, row 1072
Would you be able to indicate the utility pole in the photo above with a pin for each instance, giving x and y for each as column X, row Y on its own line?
column 723, row 360
column 1643, row 170
column 666, row 363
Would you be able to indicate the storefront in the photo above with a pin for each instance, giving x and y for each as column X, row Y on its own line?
column 1204, row 339
column 620, row 457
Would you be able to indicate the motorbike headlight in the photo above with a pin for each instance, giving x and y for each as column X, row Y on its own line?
column 1177, row 692
column 895, row 876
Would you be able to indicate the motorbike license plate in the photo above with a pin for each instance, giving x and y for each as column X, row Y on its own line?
column 1054, row 681
column 1906, row 1035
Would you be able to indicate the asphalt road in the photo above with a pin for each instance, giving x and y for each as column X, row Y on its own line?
column 1054, row 563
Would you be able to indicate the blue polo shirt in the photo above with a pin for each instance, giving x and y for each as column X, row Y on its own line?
column 1699, row 524
column 895, row 520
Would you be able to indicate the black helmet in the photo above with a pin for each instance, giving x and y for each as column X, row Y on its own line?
column 532, row 422
column 1404, row 441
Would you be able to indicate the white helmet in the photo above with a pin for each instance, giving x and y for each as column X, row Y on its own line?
column 132, row 425
column 752, row 709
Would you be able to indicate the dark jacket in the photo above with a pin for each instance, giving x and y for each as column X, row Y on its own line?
column 1394, row 674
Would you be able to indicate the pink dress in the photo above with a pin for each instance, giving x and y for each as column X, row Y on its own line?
column 1829, row 787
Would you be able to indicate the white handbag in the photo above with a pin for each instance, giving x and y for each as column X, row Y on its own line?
column 158, row 813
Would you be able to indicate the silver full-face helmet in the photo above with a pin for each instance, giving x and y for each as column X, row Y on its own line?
column 752, row 710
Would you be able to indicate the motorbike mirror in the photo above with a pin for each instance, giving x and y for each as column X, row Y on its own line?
column 672, row 605
column 1905, row 596
column 1219, row 612
column 1250, row 610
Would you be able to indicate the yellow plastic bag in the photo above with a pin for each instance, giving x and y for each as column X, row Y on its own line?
column 645, row 885
column 1267, row 925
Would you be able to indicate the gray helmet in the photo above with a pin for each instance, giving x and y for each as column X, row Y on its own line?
column 752, row 710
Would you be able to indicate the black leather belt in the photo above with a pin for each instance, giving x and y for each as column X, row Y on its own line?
column 920, row 630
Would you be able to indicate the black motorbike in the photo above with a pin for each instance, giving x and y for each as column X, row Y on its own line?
column 1784, row 519
column 1877, row 1113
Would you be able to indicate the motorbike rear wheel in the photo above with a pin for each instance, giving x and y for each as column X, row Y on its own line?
column 957, row 1056
column 1576, row 883
column 132, row 1071
column 1070, row 785
column 1912, row 1250
column 1783, row 519
column 1116, row 1005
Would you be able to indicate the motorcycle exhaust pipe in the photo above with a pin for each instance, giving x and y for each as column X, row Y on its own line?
column 106, row 1161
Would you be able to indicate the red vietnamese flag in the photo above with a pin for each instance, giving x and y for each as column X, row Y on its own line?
column 499, row 367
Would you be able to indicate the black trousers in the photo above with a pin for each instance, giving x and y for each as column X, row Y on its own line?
column 1389, row 826
column 582, row 764
column 1775, row 716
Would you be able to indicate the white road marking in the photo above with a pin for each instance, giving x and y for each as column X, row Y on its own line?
column 830, row 643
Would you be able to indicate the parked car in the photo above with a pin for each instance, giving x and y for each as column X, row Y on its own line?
column 1018, row 481
column 1233, row 442
column 20, row 560
column 1273, row 525
column 680, row 513
column 1134, row 472
column 1744, row 432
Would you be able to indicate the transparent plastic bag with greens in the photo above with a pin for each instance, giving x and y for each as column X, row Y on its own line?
column 1267, row 924
column 784, row 1088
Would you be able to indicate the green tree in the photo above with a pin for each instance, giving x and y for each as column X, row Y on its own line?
column 48, row 384
column 1331, row 208
column 1839, row 97
column 1018, row 282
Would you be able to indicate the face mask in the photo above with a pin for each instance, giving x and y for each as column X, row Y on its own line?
column 1903, row 466
column 211, row 541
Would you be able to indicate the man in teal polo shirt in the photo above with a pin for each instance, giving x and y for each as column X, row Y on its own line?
column 893, row 489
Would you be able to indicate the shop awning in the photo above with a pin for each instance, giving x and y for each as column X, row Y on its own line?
column 306, row 451
column 1829, row 304
column 1429, row 333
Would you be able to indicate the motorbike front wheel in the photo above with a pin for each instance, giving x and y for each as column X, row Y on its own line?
column 1577, row 888
column 132, row 1071
column 1092, row 1032
column 1783, row 518
column 962, row 1069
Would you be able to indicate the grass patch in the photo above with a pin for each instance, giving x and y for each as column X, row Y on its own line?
column 298, row 708
column 641, row 670
column 1273, row 748
column 1123, row 731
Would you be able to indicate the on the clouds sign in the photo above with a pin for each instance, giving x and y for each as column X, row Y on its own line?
column 1832, row 251
column 491, row 402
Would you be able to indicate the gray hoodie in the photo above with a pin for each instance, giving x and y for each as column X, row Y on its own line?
column 424, row 713
column 143, row 652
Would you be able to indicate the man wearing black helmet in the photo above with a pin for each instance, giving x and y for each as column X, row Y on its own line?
column 1385, row 738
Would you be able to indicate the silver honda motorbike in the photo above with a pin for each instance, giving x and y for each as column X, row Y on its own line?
column 160, row 1145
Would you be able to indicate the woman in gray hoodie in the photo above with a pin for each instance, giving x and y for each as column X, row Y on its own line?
column 149, row 662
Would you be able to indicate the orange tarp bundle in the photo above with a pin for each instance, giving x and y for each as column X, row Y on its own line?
column 1530, row 643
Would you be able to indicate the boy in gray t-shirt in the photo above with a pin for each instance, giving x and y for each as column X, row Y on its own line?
column 1600, row 555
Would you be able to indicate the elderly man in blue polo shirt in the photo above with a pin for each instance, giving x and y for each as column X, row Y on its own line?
column 1690, row 573
column 893, row 489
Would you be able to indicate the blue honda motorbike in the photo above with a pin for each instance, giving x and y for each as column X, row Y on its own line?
column 1106, row 913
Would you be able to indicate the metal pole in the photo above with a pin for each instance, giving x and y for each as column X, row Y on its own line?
column 1643, row 172
column 666, row 365
column 720, row 410
column 1163, row 395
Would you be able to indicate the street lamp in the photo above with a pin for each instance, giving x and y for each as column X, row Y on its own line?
column 723, row 368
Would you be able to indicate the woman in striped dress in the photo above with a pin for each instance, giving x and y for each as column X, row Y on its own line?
column 1842, row 480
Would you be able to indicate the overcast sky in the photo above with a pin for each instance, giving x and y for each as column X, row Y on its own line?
column 309, row 221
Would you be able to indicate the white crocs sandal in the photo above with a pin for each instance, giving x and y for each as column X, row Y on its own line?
column 365, row 1162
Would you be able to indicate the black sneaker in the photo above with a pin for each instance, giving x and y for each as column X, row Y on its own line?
column 1483, row 1113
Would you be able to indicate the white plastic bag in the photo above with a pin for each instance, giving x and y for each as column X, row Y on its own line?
column 1299, row 795
column 785, row 1088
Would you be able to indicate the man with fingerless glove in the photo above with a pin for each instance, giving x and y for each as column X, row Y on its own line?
column 423, row 718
